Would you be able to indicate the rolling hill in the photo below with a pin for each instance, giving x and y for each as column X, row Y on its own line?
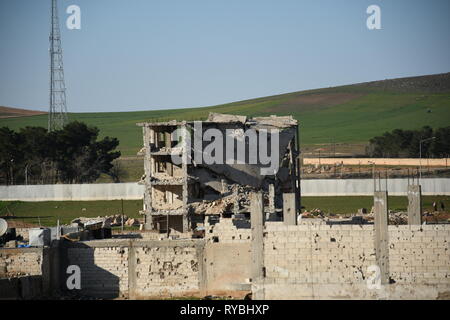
column 6, row 112
column 345, row 114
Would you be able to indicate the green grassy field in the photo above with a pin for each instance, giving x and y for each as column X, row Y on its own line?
column 345, row 205
column 347, row 114
column 47, row 213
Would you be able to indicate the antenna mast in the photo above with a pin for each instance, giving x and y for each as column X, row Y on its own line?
column 57, row 116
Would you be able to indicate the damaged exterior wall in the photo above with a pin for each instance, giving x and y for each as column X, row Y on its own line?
column 104, row 269
column 179, row 196
column 16, row 262
column 332, row 261
column 25, row 273
column 140, row 269
column 133, row 269
column 313, row 261
column 167, row 271
column 227, row 231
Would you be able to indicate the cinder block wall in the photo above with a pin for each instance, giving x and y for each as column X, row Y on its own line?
column 167, row 270
column 331, row 262
column 420, row 254
column 20, row 262
column 226, row 232
column 104, row 268
column 318, row 253
column 24, row 273
column 136, row 268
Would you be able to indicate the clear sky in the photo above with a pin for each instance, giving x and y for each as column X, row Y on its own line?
column 157, row 54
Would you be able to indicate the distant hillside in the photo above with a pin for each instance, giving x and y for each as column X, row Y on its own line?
column 345, row 114
column 439, row 83
column 7, row 112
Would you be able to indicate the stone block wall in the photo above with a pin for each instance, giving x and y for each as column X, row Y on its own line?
column 167, row 270
column 311, row 261
column 226, row 232
column 136, row 268
column 318, row 253
column 332, row 262
column 19, row 262
column 104, row 268
column 24, row 273
column 420, row 254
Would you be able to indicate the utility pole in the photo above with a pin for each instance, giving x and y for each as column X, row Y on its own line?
column 420, row 155
column 11, row 171
column 373, row 175
column 121, row 219
column 57, row 116
column 26, row 174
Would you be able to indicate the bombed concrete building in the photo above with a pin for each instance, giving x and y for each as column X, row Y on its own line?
column 199, row 171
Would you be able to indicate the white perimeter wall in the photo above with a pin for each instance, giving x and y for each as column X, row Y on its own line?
column 134, row 191
column 364, row 187
column 425, row 162
column 74, row 192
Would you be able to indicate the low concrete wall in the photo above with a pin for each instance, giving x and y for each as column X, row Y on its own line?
column 228, row 257
column 17, row 262
column 134, row 191
column 132, row 268
column 378, row 161
column 72, row 192
column 24, row 273
column 136, row 268
column 336, row 261
column 313, row 261
column 228, row 268
column 364, row 187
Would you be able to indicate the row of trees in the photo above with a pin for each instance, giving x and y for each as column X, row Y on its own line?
column 406, row 143
column 73, row 154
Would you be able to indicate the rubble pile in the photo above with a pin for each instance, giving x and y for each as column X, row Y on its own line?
column 219, row 206
column 315, row 213
column 362, row 217
column 107, row 221
column 398, row 218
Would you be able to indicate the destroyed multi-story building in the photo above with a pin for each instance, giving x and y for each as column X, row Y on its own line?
column 180, row 194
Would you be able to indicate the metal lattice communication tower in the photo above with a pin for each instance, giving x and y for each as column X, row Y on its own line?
column 57, row 116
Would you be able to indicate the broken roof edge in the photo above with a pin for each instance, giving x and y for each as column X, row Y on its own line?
column 220, row 118
column 225, row 118
column 276, row 121
column 170, row 123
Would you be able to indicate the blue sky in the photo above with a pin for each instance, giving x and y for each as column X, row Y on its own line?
column 157, row 54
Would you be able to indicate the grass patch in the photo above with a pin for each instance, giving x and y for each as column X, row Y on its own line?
column 47, row 213
column 345, row 205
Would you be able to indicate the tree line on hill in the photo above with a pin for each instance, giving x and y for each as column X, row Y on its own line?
column 73, row 154
column 406, row 143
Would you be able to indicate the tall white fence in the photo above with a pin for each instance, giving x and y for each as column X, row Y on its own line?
column 365, row 187
column 134, row 191
column 414, row 162
column 73, row 192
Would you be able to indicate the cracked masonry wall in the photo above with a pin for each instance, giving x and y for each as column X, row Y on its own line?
column 331, row 262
